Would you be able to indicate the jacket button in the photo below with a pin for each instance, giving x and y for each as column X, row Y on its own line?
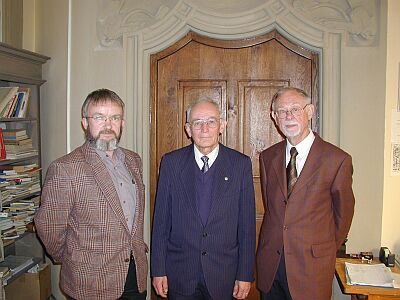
column 205, row 234
column 127, row 259
column 204, row 253
column 278, row 252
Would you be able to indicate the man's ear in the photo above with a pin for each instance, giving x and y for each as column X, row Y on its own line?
column 84, row 123
column 222, row 125
column 188, row 131
column 310, row 111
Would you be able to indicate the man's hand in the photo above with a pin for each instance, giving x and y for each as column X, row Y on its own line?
column 161, row 286
column 241, row 289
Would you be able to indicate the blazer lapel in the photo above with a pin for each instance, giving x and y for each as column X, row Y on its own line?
column 105, row 183
column 278, row 164
column 311, row 166
column 187, row 177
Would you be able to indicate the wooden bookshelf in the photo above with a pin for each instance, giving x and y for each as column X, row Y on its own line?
column 23, row 68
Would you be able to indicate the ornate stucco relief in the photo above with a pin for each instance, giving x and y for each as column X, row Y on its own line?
column 116, row 17
column 357, row 19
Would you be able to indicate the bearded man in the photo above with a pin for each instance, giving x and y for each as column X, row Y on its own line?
column 92, row 206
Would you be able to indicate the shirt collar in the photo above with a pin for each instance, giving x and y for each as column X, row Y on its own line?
column 303, row 147
column 212, row 156
column 117, row 153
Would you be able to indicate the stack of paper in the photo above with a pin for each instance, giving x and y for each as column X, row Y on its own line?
column 366, row 274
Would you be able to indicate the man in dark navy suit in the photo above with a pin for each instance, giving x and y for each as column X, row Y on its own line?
column 203, row 241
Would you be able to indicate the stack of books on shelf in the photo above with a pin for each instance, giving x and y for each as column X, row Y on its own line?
column 17, row 144
column 7, row 228
column 18, row 181
column 16, row 218
column 14, row 102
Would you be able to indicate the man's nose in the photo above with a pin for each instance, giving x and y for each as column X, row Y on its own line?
column 289, row 115
column 204, row 127
column 107, row 123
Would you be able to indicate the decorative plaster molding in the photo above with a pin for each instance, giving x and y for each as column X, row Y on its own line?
column 117, row 17
column 357, row 19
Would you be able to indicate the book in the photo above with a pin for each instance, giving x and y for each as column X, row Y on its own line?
column 2, row 145
column 14, row 132
column 19, row 142
column 368, row 274
column 7, row 94
column 14, row 138
column 24, row 104
column 18, row 101
column 19, row 168
column 10, row 106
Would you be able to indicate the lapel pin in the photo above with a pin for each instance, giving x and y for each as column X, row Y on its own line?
column 226, row 178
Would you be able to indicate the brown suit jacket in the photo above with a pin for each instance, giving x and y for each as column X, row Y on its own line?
column 311, row 224
column 82, row 225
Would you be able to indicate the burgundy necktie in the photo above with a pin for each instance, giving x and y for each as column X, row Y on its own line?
column 291, row 172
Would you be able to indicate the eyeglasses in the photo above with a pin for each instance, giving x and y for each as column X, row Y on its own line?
column 101, row 119
column 295, row 111
column 210, row 123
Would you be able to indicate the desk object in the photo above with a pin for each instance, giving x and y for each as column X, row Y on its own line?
column 360, row 291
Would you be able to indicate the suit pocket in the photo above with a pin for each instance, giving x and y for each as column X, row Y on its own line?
column 95, row 260
column 324, row 249
column 319, row 187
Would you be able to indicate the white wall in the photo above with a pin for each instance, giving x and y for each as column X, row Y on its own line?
column 362, row 135
column 51, row 39
column 391, row 190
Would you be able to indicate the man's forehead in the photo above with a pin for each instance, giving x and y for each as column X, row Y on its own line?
column 204, row 108
column 104, row 103
column 290, row 97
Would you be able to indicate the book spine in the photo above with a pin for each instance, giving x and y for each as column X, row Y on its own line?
column 2, row 146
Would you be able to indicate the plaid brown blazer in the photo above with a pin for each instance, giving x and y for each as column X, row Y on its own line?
column 82, row 225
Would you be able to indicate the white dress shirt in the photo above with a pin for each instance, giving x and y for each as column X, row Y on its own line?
column 303, row 148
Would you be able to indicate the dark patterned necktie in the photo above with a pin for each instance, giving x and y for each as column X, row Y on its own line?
column 205, row 168
column 291, row 172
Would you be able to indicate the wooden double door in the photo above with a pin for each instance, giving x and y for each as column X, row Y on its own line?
column 242, row 76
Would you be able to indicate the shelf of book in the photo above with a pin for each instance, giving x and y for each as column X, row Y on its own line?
column 20, row 166
column 18, row 160
column 28, row 120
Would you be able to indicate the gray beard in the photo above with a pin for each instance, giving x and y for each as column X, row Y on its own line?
column 103, row 145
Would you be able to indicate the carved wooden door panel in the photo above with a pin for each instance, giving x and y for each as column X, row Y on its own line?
column 242, row 76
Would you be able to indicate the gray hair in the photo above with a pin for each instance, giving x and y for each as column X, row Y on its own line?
column 189, row 109
column 101, row 96
column 283, row 90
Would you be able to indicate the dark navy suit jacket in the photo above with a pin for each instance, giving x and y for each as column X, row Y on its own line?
column 224, row 248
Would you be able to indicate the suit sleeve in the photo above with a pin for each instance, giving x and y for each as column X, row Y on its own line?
column 161, row 222
column 51, row 219
column 247, row 226
column 343, row 200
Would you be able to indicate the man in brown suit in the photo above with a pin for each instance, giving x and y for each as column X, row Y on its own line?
column 91, row 216
column 306, row 219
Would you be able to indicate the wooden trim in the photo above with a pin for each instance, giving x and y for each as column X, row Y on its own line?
column 21, row 65
column 12, row 22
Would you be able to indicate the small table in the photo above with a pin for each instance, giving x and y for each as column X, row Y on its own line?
column 361, row 291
